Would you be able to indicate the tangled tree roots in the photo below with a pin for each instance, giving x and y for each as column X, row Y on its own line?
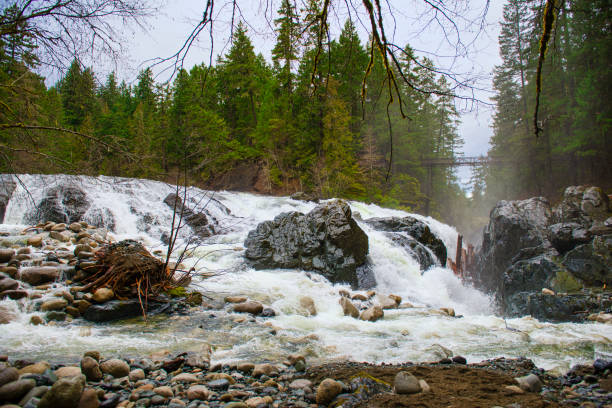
column 130, row 270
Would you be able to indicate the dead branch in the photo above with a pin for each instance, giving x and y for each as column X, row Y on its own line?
column 547, row 27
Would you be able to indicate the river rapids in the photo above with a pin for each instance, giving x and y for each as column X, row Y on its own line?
column 414, row 334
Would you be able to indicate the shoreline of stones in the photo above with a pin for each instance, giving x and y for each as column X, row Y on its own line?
column 189, row 380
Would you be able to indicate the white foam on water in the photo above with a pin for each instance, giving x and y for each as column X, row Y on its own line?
column 403, row 335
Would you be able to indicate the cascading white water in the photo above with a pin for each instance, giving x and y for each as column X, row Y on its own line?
column 403, row 335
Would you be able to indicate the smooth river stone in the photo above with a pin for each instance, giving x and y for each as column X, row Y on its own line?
column 15, row 390
column 39, row 275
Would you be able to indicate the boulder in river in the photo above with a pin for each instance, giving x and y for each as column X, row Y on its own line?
column 574, row 307
column 65, row 203
column 6, row 254
column 592, row 262
column 583, row 205
column 251, row 307
column 37, row 275
column 121, row 309
column 513, row 226
column 348, row 308
column 415, row 237
column 6, row 315
column 196, row 220
column 326, row 240
column 372, row 314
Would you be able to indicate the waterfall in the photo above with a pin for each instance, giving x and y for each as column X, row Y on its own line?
column 135, row 209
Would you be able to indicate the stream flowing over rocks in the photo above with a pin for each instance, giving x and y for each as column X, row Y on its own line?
column 275, row 277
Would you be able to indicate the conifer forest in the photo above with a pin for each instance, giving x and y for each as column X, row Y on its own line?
column 317, row 116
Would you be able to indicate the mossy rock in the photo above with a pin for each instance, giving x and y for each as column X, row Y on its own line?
column 566, row 282
column 194, row 299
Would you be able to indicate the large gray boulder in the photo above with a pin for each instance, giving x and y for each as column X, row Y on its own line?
column 592, row 262
column 584, row 205
column 573, row 307
column 565, row 236
column 415, row 237
column 327, row 240
column 530, row 274
column 514, row 226
column 64, row 203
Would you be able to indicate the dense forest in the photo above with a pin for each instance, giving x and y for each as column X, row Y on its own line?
column 575, row 145
column 321, row 115
column 298, row 121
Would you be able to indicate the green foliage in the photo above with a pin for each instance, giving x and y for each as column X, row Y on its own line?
column 298, row 119
column 177, row 292
column 286, row 49
column 78, row 89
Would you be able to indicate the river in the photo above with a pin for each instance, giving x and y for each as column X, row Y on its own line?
column 413, row 334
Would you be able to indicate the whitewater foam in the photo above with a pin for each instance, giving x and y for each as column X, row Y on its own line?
column 407, row 334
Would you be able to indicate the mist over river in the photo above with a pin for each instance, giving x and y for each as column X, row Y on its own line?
column 135, row 209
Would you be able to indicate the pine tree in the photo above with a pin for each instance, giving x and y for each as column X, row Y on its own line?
column 348, row 68
column 78, row 90
column 285, row 52
column 240, row 86
column 145, row 89
column 17, row 46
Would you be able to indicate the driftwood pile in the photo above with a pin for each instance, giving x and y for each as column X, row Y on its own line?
column 130, row 270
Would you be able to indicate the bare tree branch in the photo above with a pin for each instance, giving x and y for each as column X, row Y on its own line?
column 547, row 27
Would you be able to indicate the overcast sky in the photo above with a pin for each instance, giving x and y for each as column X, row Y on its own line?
column 411, row 24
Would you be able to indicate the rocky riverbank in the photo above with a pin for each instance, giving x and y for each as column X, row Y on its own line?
column 190, row 380
column 43, row 265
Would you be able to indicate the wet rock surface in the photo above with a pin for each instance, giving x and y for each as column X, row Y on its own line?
column 7, row 186
column 196, row 219
column 530, row 245
column 513, row 226
column 64, row 203
column 49, row 268
column 327, row 240
column 415, row 237
column 122, row 309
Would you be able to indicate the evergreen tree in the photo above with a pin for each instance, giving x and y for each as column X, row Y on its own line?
column 78, row 90
column 348, row 69
column 240, row 86
column 285, row 51
column 17, row 46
